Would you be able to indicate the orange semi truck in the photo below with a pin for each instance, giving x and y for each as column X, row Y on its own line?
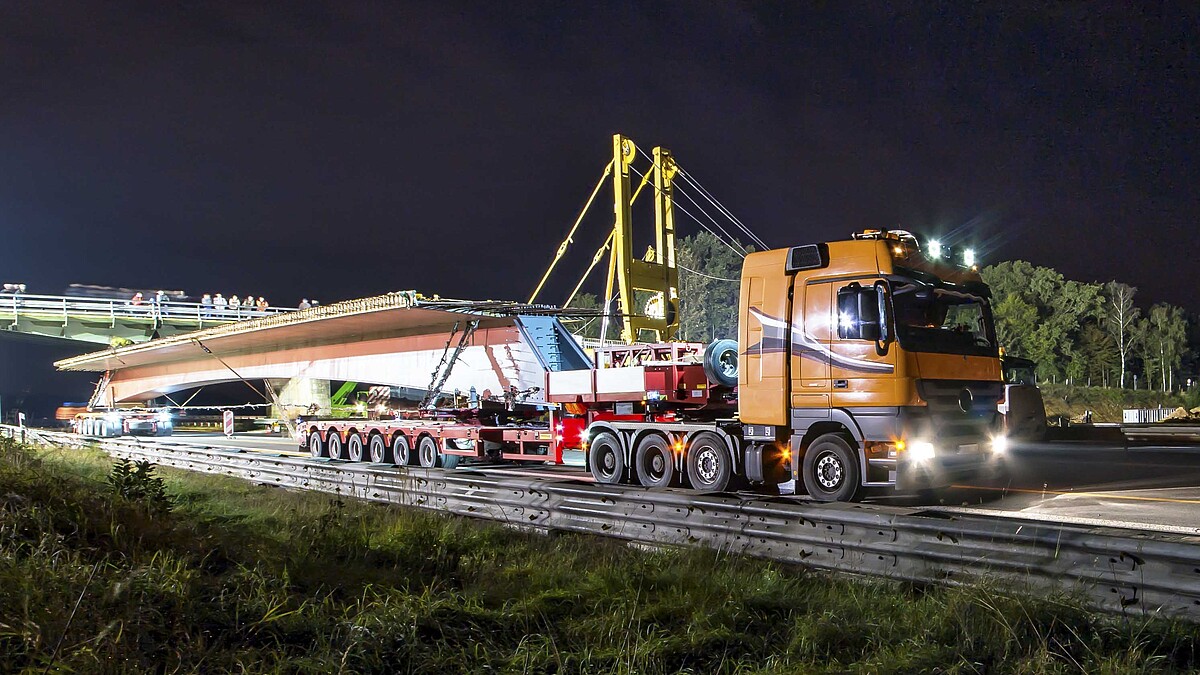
column 866, row 363
column 860, row 364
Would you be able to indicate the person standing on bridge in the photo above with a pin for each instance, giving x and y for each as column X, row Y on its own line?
column 262, row 304
column 234, row 307
column 206, row 303
column 304, row 304
column 221, row 304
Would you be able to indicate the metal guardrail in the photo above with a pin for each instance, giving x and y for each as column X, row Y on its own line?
column 1163, row 431
column 1112, row 569
column 15, row 306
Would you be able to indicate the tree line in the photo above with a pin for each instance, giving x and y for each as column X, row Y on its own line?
column 1090, row 333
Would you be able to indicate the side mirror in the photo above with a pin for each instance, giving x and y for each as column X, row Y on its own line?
column 861, row 312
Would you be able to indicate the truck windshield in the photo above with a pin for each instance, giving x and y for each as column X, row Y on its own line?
column 944, row 320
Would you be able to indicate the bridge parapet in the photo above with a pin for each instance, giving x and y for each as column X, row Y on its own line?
column 102, row 319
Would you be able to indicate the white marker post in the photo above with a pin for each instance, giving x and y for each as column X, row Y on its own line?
column 228, row 419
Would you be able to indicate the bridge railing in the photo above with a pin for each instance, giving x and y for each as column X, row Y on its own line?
column 14, row 306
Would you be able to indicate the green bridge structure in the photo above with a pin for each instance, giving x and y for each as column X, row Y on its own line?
column 112, row 321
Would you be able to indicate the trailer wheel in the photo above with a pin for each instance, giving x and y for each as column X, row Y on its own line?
column 334, row 445
column 401, row 450
column 654, row 463
column 427, row 452
column 830, row 470
column 449, row 461
column 709, row 464
column 606, row 460
column 354, row 447
column 379, row 450
column 314, row 444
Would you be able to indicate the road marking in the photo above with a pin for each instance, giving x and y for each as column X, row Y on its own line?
column 1108, row 495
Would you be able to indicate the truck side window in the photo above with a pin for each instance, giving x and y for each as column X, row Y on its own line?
column 859, row 316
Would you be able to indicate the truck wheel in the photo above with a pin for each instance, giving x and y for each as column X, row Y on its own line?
column 401, row 450
column 606, row 460
column 830, row 470
column 449, row 461
column 654, row 463
column 379, row 450
column 709, row 464
column 427, row 452
column 314, row 444
column 334, row 445
column 354, row 447
column 721, row 362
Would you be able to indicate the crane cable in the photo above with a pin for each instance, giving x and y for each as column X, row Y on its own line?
column 740, row 254
column 727, row 238
column 562, row 248
column 722, row 208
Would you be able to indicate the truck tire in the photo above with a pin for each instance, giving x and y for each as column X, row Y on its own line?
column 606, row 459
column 831, row 470
column 709, row 464
column 427, row 452
column 334, row 445
column 654, row 463
column 721, row 362
column 449, row 461
column 378, row 450
column 315, row 448
column 354, row 447
column 401, row 450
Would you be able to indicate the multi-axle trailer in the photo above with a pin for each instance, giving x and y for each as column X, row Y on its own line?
column 860, row 364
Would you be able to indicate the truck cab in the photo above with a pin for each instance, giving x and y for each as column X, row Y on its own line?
column 874, row 362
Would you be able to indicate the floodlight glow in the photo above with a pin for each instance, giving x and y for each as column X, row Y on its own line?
column 999, row 444
column 921, row 451
column 969, row 257
column 935, row 248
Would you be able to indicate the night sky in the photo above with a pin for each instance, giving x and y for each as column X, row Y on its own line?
column 345, row 149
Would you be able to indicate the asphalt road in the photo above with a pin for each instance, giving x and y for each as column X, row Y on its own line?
column 1142, row 487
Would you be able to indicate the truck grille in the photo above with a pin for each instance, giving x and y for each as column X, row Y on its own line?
column 962, row 412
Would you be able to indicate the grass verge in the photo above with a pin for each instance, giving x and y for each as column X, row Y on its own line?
column 103, row 575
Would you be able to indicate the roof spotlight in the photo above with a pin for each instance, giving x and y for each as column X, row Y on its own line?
column 969, row 257
column 935, row 248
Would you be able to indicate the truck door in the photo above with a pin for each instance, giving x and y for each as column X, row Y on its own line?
column 812, row 318
column 863, row 371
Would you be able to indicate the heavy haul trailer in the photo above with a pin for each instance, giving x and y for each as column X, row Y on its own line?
column 865, row 363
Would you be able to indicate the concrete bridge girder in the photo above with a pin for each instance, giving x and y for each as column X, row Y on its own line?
column 497, row 359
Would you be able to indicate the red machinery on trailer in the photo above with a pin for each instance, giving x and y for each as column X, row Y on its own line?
column 659, row 383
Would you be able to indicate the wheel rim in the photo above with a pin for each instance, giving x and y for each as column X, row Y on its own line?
column 728, row 363
column 400, row 450
column 335, row 447
column 428, row 452
column 829, row 471
column 608, row 461
column 708, row 464
column 314, row 445
column 377, row 450
column 654, row 466
column 355, row 448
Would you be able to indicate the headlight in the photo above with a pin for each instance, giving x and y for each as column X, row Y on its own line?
column 999, row 444
column 920, row 451
column 164, row 417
